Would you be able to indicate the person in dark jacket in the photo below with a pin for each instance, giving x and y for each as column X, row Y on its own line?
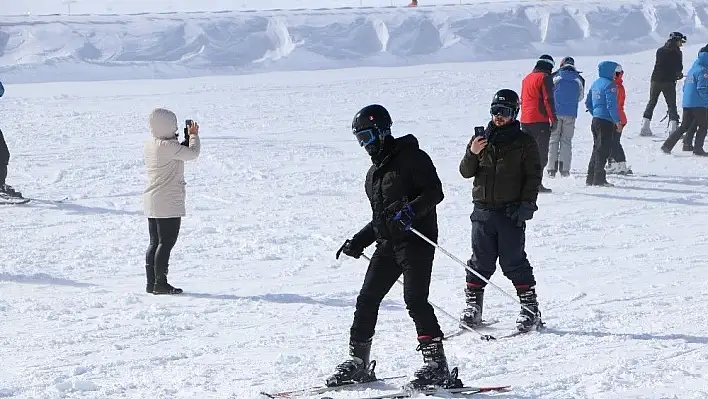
column 602, row 104
column 404, row 189
column 7, row 193
column 695, row 108
column 538, row 110
column 507, row 173
column 668, row 68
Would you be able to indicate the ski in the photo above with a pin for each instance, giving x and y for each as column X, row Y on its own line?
column 462, row 330
column 444, row 392
column 13, row 200
column 320, row 389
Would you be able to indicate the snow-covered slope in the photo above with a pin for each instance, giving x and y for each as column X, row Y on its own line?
column 279, row 186
column 46, row 48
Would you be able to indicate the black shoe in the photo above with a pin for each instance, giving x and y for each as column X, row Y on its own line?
column 472, row 315
column 666, row 149
column 9, row 191
column 150, row 274
column 435, row 371
column 162, row 287
column 700, row 152
column 530, row 316
column 551, row 173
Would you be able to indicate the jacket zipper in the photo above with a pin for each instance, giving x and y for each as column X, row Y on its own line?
column 494, row 174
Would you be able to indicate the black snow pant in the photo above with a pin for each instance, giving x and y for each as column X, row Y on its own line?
column 603, row 132
column 4, row 159
column 541, row 132
column 691, row 116
column 496, row 235
column 668, row 89
column 163, row 237
column 415, row 261
column 617, row 151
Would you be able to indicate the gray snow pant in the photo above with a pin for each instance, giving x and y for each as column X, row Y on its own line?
column 560, row 147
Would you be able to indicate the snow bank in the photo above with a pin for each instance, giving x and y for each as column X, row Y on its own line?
column 170, row 45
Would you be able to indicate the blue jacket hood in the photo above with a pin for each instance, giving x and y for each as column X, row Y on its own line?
column 606, row 69
column 702, row 59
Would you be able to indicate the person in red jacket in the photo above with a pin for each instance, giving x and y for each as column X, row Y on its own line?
column 538, row 113
column 617, row 162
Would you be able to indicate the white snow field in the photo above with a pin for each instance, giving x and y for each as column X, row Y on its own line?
column 279, row 186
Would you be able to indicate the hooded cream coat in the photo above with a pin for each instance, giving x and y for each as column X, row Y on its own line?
column 165, row 194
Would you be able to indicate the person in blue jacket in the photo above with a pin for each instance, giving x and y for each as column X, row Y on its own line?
column 601, row 102
column 695, row 108
column 568, row 93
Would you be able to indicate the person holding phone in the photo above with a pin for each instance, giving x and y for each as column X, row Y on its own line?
column 165, row 196
column 506, row 166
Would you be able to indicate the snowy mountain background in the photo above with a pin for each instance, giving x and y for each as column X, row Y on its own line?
column 279, row 186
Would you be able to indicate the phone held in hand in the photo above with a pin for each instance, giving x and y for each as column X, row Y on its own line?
column 479, row 131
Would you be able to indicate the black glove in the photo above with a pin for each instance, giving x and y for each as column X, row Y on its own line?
column 350, row 248
column 521, row 212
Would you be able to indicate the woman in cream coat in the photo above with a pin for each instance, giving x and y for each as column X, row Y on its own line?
column 164, row 197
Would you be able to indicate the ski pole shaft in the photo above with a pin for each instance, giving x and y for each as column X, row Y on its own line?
column 469, row 269
column 441, row 310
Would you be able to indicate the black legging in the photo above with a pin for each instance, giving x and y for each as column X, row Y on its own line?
column 163, row 237
column 4, row 159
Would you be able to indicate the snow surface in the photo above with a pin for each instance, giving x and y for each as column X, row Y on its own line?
column 279, row 186
column 174, row 44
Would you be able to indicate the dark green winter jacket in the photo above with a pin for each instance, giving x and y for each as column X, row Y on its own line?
column 507, row 171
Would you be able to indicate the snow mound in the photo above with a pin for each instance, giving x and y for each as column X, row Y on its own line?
column 172, row 45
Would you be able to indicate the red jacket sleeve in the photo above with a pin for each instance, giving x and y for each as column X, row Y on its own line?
column 547, row 94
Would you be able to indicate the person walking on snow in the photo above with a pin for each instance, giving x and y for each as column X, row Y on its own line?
column 668, row 69
column 695, row 107
column 617, row 162
column 7, row 193
column 507, row 172
column 601, row 102
column 538, row 112
column 568, row 93
column 404, row 190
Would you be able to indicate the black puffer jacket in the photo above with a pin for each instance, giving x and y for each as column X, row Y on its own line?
column 405, row 174
column 507, row 171
column 669, row 63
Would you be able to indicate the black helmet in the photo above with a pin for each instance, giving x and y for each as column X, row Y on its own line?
column 373, row 115
column 678, row 37
column 370, row 125
column 505, row 103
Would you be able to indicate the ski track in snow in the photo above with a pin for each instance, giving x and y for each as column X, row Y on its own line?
column 279, row 186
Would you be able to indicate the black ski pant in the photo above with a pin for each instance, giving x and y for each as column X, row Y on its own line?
column 541, row 132
column 668, row 89
column 163, row 237
column 496, row 236
column 617, row 151
column 4, row 159
column 603, row 132
column 414, row 261
column 691, row 116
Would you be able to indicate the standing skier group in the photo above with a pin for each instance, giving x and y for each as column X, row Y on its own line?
column 506, row 159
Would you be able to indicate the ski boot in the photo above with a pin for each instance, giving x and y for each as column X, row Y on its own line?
column 552, row 172
column 474, row 299
column 435, row 372
column 9, row 192
column 646, row 128
column 531, row 318
column 357, row 369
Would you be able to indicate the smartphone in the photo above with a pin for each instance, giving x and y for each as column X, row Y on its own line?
column 479, row 131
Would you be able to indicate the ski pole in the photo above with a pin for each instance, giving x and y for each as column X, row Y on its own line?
column 485, row 337
column 469, row 269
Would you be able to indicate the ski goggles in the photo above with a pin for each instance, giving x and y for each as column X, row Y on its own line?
column 502, row 110
column 366, row 137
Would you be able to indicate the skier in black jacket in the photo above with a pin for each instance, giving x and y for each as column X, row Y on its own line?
column 667, row 70
column 507, row 172
column 403, row 189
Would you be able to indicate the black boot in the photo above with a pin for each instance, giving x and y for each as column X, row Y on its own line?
column 357, row 369
column 528, row 319
column 435, row 371
column 150, row 274
column 474, row 299
column 162, row 287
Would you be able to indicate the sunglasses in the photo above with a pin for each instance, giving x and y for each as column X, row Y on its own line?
column 502, row 110
column 365, row 137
